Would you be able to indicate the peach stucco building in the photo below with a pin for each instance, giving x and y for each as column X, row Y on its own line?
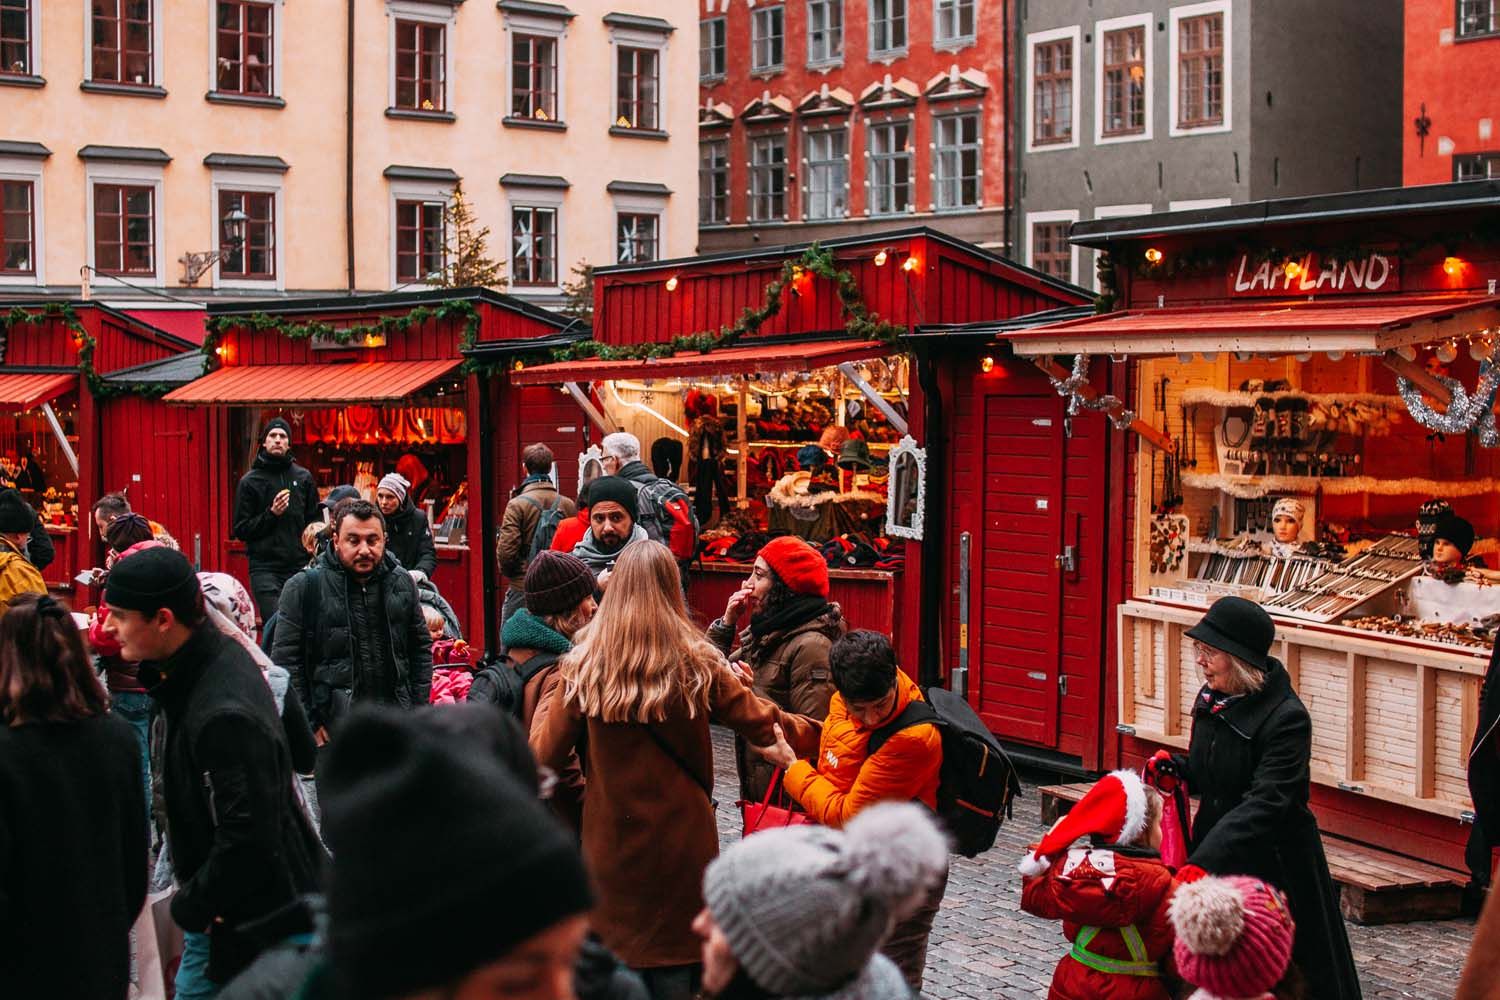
column 130, row 128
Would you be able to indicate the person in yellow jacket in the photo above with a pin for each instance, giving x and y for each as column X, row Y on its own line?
column 869, row 693
column 17, row 574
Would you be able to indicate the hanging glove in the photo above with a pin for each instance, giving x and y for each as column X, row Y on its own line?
column 1161, row 772
column 1190, row 873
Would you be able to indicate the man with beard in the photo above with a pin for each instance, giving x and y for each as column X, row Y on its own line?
column 612, row 516
column 275, row 500
column 351, row 626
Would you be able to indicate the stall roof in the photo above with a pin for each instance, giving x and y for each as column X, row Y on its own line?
column 780, row 357
column 184, row 324
column 179, row 369
column 345, row 303
column 985, row 329
column 28, row 390
column 1282, row 327
column 363, row 382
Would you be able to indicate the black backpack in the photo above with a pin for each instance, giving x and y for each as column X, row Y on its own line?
column 977, row 783
column 547, row 520
column 500, row 682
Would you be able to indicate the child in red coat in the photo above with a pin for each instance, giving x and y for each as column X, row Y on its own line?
column 1112, row 897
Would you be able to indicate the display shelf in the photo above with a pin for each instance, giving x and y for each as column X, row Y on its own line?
column 1255, row 487
column 794, row 445
column 1229, row 399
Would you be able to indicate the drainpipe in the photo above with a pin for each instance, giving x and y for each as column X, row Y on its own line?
column 934, row 438
column 349, row 144
column 1010, row 144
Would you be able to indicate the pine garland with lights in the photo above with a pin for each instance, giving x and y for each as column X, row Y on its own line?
column 384, row 326
column 86, row 343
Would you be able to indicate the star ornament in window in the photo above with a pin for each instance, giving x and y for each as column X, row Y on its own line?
column 525, row 243
column 623, row 122
column 427, row 105
column 628, row 237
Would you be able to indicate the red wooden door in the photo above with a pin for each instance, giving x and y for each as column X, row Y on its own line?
column 1019, row 611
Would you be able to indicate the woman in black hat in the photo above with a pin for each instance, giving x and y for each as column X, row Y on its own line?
column 1248, row 758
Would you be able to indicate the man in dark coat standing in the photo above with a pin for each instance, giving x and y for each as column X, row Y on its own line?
column 1249, row 758
column 350, row 627
column 275, row 500
column 243, row 847
column 1484, row 786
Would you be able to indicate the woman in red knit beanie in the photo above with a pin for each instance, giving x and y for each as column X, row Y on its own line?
column 785, row 647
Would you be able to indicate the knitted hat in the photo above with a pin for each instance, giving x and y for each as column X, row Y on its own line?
column 613, row 489
column 272, row 424
column 1234, row 937
column 150, row 579
column 805, row 907
column 1427, row 519
column 402, row 798
column 1115, row 809
column 1291, row 507
column 16, row 515
column 1455, row 530
column 127, row 530
column 799, row 565
column 336, row 494
column 557, row 582
column 1238, row 627
column 231, row 599
column 396, row 483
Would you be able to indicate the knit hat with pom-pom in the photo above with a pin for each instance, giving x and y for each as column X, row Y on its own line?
column 1234, row 937
column 805, row 907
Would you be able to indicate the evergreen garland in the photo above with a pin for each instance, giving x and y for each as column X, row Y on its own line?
column 86, row 343
column 384, row 326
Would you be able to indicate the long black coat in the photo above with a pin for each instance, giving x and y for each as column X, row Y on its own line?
column 72, row 857
column 272, row 542
column 409, row 539
column 1484, row 775
column 1250, row 763
column 241, row 843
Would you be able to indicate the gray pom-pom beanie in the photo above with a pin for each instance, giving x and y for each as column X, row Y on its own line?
column 805, row 907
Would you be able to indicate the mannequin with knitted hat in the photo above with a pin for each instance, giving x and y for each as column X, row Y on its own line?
column 1111, row 896
column 1286, row 526
column 273, row 502
column 785, row 647
column 1234, row 940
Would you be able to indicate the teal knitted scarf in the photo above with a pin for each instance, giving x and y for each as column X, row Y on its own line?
column 524, row 630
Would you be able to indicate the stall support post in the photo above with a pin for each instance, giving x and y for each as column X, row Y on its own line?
column 587, row 406
column 62, row 437
column 742, row 468
column 895, row 419
column 482, row 521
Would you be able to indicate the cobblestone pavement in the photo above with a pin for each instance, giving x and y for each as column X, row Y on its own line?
column 983, row 946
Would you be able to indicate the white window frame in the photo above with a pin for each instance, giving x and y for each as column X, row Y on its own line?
column 430, row 13
column 26, row 168
column 1075, row 34
column 957, row 41
column 277, row 20
column 911, row 174
column 521, row 196
column 636, row 38
column 978, row 115
column 1144, row 22
column 785, row 137
column 542, row 27
column 157, row 63
column 891, row 54
column 729, row 194
column 760, row 15
column 1060, row 215
column 631, row 203
column 260, row 181
column 35, row 29
column 722, row 20
column 807, row 170
column 1112, row 212
column 825, row 61
column 1190, row 204
column 409, row 190
column 138, row 174
column 1197, row 10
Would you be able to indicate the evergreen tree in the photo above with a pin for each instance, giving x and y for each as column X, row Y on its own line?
column 579, row 303
column 466, row 260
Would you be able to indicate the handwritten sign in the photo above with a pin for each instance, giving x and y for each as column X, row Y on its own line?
column 1313, row 275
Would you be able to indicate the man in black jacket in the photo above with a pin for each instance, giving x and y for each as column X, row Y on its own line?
column 351, row 627
column 243, row 848
column 275, row 500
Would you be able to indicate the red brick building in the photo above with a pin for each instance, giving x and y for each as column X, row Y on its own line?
column 825, row 118
column 1451, row 107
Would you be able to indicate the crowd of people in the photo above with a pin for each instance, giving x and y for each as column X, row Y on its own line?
column 322, row 831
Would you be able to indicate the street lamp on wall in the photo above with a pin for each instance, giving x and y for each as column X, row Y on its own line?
column 232, row 238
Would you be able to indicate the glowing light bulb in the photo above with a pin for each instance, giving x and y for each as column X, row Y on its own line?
column 910, row 264
column 1447, row 351
column 1153, row 255
column 1453, row 266
column 1407, row 351
column 672, row 283
column 1292, row 270
column 1481, row 349
column 986, row 364
column 881, row 258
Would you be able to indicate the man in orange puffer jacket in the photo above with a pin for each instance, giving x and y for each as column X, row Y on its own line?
column 869, row 692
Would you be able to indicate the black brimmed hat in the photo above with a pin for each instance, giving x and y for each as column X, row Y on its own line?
column 1238, row 627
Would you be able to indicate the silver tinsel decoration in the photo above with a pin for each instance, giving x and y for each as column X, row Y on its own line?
column 1466, row 412
column 1072, row 387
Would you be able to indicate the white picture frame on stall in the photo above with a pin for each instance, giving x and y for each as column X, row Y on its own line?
column 590, row 457
column 906, row 500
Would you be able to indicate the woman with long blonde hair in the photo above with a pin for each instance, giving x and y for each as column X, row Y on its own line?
column 638, row 692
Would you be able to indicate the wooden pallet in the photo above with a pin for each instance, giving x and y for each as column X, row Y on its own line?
column 1375, row 886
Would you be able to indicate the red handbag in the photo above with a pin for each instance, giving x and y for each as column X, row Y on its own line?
column 764, row 816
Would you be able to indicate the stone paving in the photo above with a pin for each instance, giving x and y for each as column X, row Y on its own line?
column 983, row 946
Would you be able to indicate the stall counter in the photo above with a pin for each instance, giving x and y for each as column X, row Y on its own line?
column 867, row 597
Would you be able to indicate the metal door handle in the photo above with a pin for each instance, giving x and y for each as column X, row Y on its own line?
column 1067, row 560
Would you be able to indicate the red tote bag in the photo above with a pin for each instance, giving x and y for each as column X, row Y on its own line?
column 764, row 816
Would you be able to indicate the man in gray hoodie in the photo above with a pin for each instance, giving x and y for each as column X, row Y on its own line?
column 612, row 526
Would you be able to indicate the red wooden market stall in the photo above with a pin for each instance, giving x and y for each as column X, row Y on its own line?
column 789, row 351
column 56, row 431
column 370, row 385
column 1336, row 352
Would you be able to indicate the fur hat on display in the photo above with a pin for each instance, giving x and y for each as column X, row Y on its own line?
column 1234, row 937
column 1114, row 809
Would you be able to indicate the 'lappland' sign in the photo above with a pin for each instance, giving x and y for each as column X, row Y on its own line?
column 1314, row 275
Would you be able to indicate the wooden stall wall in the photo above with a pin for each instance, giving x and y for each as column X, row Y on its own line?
column 158, row 455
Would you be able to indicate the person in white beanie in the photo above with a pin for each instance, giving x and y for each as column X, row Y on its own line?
column 408, row 536
column 800, row 912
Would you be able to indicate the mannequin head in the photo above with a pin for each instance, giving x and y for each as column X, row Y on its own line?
column 1286, row 519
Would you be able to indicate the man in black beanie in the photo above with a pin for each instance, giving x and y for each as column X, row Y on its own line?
column 401, row 799
column 275, row 500
column 612, row 525
column 243, row 849
column 17, row 574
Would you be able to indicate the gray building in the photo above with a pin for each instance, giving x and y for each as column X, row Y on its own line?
column 1130, row 106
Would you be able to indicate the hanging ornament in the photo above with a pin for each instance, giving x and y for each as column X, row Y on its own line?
column 1466, row 412
column 1072, row 387
column 1447, row 351
column 1481, row 348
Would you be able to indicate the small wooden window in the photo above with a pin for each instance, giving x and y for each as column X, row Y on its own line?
column 245, row 54
column 1125, row 82
column 768, row 178
column 825, row 31
column 255, row 259
column 121, row 42
column 17, row 227
column 637, row 89
column 1200, row 71
column 1050, row 252
column 420, row 241
column 712, row 40
column 534, row 78
column 15, row 37
column 637, row 237
column 713, row 182
column 827, row 152
column 953, row 21
column 534, row 246
column 887, row 26
column 1052, row 92
column 890, row 168
column 421, row 68
column 124, row 229
column 957, row 149
column 1476, row 167
column 1477, row 17
column 767, row 38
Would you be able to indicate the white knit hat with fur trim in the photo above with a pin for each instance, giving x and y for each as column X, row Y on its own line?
column 1115, row 808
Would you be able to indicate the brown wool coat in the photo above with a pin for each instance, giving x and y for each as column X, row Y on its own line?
column 513, row 543
column 567, row 794
column 648, row 828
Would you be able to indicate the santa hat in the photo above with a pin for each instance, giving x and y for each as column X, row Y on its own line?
column 1115, row 809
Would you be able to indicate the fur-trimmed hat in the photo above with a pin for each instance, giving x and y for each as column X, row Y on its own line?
column 1234, row 937
column 1115, row 809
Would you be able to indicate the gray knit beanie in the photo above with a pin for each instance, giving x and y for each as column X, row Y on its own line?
column 805, row 907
